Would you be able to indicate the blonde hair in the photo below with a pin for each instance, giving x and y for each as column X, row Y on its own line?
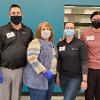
column 38, row 31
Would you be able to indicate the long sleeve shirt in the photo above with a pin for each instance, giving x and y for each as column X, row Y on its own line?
column 92, row 40
column 72, row 57
column 39, row 54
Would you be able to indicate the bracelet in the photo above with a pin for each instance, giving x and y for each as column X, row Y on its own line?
column 84, row 81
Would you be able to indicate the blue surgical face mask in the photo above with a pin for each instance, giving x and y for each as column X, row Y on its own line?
column 69, row 32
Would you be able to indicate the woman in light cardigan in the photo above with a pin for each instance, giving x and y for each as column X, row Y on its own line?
column 39, row 56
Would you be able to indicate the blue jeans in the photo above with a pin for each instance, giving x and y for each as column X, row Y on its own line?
column 36, row 94
column 50, row 88
column 70, row 87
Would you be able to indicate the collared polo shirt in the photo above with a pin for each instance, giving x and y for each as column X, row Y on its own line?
column 13, row 45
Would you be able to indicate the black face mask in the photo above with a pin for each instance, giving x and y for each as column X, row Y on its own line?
column 16, row 19
column 96, row 24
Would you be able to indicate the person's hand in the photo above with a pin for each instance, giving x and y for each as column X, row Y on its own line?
column 84, row 85
column 57, row 80
column 81, row 91
column 1, row 78
column 48, row 74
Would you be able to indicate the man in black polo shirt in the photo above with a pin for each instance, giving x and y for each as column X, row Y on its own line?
column 14, row 39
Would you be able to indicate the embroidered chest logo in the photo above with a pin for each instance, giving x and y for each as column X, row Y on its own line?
column 74, row 49
column 9, row 35
column 23, row 32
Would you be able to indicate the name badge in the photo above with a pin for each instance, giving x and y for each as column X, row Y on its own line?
column 9, row 35
column 62, row 48
column 90, row 37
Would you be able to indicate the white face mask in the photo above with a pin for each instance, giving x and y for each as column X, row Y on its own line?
column 45, row 34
